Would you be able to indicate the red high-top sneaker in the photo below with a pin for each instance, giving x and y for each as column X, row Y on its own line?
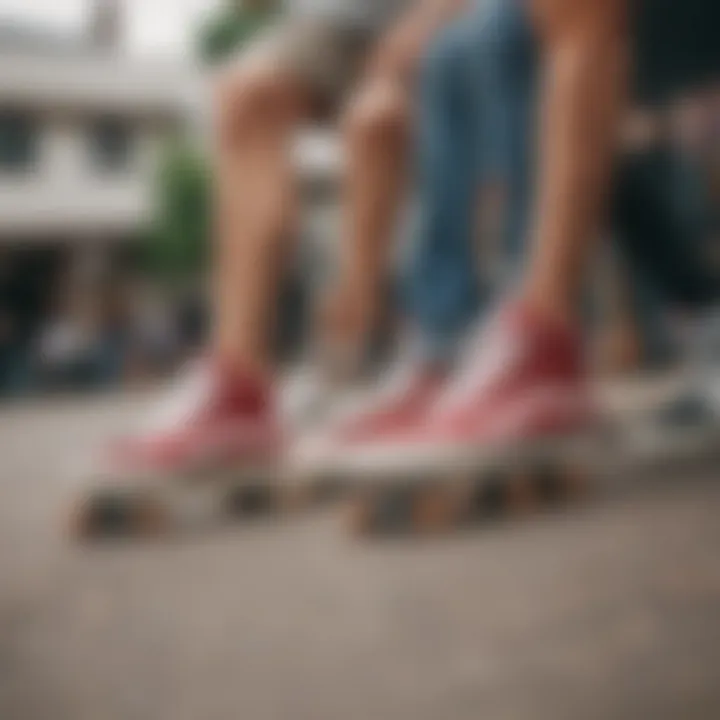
column 395, row 408
column 217, row 421
column 523, row 384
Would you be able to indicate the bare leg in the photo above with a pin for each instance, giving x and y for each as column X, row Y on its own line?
column 224, row 416
column 584, row 81
column 257, row 111
column 376, row 135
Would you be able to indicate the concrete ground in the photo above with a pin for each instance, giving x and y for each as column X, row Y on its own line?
column 610, row 611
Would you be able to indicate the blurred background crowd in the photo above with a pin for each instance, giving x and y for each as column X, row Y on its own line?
column 105, row 192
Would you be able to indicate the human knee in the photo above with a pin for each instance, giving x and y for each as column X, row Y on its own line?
column 378, row 115
column 249, row 96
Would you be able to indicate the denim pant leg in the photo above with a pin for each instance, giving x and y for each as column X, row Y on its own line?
column 476, row 96
column 441, row 289
column 510, row 82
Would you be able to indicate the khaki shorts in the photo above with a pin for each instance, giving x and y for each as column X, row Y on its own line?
column 328, row 59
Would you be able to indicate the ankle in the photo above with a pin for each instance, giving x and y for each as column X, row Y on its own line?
column 238, row 377
column 234, row 358
column 550, row 305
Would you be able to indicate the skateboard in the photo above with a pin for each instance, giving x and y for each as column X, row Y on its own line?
column 501, row 484
column 408, row 494
column 416, row 503
column 625, row 450
column 165, row 507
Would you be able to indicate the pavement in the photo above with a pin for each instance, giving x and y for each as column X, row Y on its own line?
column 609, row 612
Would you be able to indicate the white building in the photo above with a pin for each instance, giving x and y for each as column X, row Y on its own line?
column 81, row 127
column 80, row 130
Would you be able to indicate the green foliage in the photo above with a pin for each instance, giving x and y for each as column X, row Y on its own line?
column 178, row 246
column 232, row 28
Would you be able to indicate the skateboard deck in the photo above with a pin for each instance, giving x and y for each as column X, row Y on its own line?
column 412, row 502
column 490, row 487
column 626, row 451
column 172, row 506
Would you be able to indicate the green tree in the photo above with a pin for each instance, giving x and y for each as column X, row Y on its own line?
column 178, row 247
column 233, row 26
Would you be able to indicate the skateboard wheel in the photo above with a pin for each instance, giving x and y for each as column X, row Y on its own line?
column 394, row 511
column 251, row 501
column 521, row 495
column 114, row 516
column 360, row 516
column 383, row 512
column 575, row 483
column 293, row 499
column 550, row 484
column 326, row 490
column 434, row 510
column 312, row 492
column 490, row 497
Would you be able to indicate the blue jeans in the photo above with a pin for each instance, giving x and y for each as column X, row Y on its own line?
column 476, row 120
column 477, row 95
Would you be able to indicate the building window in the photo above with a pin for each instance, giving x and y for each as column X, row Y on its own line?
column 18, row 141
column 111, row 145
